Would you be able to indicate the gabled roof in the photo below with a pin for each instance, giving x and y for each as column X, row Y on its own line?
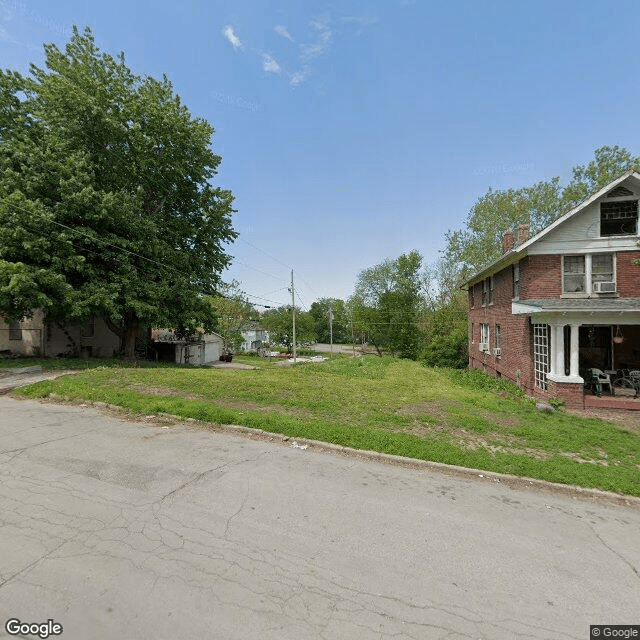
column 521, row 250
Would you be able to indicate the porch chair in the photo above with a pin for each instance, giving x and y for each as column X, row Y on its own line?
column 603, row 379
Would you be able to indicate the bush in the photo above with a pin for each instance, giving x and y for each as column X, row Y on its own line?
column 447, row 351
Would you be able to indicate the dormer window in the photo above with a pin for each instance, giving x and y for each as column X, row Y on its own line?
column 619, row 218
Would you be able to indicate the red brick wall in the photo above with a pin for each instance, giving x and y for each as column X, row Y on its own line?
column 515, row 363
column 627, row 274
column 572, row 394
column 540, row 277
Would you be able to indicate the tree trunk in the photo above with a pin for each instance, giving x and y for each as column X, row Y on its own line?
column 127, row 335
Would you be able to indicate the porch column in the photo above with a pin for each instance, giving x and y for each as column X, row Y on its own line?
column 560, row 350
column 575, row 350
column 553, row 360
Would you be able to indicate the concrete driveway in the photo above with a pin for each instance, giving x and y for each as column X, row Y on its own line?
column 134, row 531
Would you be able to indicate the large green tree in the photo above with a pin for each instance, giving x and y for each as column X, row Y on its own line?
column 106, row 201
column 387, row 303
column 279, row 323
column 320, row 312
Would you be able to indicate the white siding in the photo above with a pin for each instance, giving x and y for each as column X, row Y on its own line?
column 581, row 233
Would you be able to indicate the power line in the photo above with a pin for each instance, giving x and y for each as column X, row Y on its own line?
column 235, row 258
column 265, row 253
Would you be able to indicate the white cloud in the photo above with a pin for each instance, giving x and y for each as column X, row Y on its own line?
column 269, row 64
column 317, row 48
column 299, row 77
column 230, row 35
column 281, row 31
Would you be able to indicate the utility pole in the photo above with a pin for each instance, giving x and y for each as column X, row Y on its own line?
column 331, row 331
column 293, row 309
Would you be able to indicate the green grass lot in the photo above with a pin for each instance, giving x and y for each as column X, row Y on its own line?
column 382, row 404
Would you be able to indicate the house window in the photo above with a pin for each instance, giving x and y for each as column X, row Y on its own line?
column 473, row 332
column 602, row 272
column 88, row 329
column 15, row 330
column 484, row 337
column 619, row 218
column 484, row 293
column 589, row 274
column 574, row 274
column 516, row 281
column 541, row 354
column 498, row 349
column 471, row 300
column 491, row 289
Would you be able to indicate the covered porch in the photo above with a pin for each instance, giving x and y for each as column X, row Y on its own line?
column 581, row 335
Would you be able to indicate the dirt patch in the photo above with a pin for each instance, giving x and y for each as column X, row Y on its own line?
column 163, row 391
column 433, row 410
column 248, row 405
column 629, row 420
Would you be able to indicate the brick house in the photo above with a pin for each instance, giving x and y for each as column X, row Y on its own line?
column 564, row 300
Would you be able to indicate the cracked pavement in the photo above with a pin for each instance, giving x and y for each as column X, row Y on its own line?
column 132, row 531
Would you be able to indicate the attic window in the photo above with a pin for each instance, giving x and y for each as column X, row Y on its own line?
column 619, row 218
column 619, row 192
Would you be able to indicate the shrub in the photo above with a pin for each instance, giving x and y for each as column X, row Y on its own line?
column 447, row 351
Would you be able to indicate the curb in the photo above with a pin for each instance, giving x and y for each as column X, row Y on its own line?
column 513, row 482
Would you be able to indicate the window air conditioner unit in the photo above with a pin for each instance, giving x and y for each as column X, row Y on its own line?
column 497, row 352
column 604, row 287
column 484, row 346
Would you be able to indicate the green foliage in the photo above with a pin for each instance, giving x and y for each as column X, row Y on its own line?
column 279, row 324
column 444, row 326
column 387, row 302
column 341, row 325
column 477, row 380
column 106, row 202
column 557, row 403
column 234, row 315
column 450, row 350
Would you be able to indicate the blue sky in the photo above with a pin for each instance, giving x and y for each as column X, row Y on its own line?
column 355, row 131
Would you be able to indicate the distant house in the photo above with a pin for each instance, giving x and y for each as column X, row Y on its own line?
column 565, row 301
column 35, row 337
column 254, row 337
column 165, row 346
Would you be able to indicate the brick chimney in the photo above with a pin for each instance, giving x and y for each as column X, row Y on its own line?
column 523, row 233
column 507, row 241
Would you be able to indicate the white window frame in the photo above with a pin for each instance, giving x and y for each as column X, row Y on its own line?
column 516, row 280
column 492, row 290
column 613, row 270
column 588, row 273
column 497, row 350
column 485, row 337
column 637, row 218
column 541, row 355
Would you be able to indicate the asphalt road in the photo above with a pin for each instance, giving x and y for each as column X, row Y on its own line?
column 131, row 531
